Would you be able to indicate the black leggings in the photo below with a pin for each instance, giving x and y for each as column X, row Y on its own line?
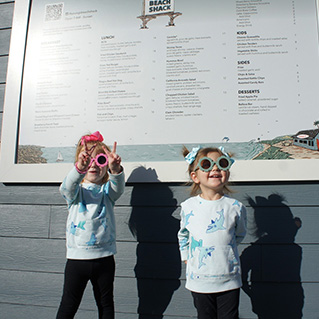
column 221, row 305
column 76, row 276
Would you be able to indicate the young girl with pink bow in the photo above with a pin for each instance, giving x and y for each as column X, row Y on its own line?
column 90, row 189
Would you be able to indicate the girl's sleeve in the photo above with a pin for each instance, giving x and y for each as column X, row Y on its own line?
column 241, row 226
column 116, row 186
column 70, row 185
column 183, row 238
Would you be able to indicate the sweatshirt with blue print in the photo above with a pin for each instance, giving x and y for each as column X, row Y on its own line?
column 90, row 229
column 208, row 238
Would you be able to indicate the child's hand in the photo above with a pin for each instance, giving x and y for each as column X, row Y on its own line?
column 114, row 160
column 84, row 158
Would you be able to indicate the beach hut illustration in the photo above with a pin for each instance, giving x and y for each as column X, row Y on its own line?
column 307, row 139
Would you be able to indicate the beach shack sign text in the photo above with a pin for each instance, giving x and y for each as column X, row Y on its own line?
column 153, row 8
column 158, row 6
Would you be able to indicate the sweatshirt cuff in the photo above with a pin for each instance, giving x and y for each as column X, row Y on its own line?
column 120, row 173
column 184, row 255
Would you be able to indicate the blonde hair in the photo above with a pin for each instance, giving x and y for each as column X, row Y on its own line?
column 195, row 188
column 98, row 147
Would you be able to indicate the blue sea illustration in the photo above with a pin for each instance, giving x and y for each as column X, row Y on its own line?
column 155, row 153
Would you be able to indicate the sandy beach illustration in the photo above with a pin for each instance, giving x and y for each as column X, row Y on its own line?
column 283, row 148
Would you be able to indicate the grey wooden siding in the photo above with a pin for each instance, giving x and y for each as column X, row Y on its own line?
column 279, row 255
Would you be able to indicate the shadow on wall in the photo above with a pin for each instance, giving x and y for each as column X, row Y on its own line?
column 271, row 265
column 158, row 265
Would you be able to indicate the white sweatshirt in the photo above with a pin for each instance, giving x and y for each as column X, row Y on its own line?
column 90, row 229
column 208, row 237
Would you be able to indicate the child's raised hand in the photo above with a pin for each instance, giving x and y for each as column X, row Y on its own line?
column 114, row 160
column 84, row 157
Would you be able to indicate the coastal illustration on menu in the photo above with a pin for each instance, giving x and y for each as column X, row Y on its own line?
column 303, row 144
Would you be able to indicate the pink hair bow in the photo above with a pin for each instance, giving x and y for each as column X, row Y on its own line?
column 96, row 136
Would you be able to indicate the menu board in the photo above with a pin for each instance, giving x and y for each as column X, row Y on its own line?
column 157, row 75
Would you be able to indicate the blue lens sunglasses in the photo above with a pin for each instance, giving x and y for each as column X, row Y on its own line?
column 206, row 164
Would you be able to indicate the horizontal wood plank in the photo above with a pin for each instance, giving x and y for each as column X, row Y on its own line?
column 1, row 116
column 266, row 194
column 2, row 90
column 24, row 220
column 158, row 195
column 30, row 194
column 14, row 311
column 282, row 224
column 4, row 41
column 30, row 254
column 6, row 14
column 3, row 68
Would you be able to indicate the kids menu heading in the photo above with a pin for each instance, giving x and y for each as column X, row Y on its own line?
column 236, row 70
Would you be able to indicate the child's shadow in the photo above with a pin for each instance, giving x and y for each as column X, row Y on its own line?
column 271, row 265
column 158, row 265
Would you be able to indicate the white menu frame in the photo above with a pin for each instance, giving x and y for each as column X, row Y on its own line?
column 11, row 172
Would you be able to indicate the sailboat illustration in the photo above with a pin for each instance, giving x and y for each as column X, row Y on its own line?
column 60, row 157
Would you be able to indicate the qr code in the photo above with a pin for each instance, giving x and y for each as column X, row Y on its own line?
column 53, row 11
